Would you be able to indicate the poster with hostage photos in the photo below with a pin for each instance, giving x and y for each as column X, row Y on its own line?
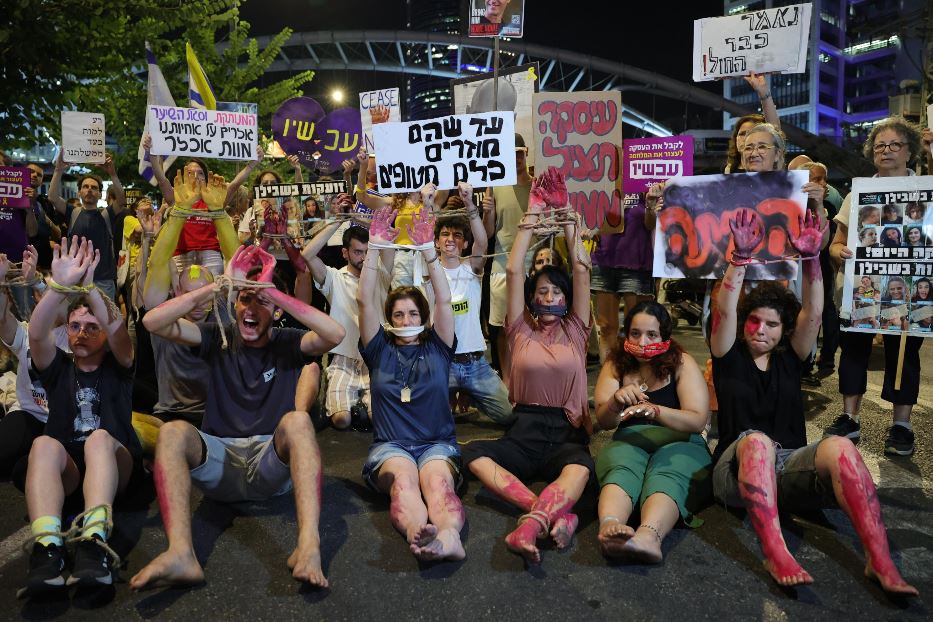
column 887, row 284
column 304, row 203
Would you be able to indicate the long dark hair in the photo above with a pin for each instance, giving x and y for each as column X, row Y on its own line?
column 662, row 366
column 917, row 297
column 555, row 275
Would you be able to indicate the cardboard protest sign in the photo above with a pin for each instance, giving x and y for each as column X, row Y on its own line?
column 377, row 107
column 496, row 18
column 476, row 148
column 647, row 161
column 693, row 238
column 517, row 86
column 83, row 137
column 581, row 133
column 886, row 286
column 13, row 183
column 769, row 40
column 203, row 133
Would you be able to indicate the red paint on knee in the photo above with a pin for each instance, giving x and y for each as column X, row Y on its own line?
column 158, row 476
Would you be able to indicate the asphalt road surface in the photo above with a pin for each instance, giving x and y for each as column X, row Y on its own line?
column 713, row 572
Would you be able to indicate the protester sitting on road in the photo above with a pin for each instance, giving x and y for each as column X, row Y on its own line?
column 26, row 418
column 253, row 443
column 763, row 458
column 89, row 437
column 655, row 393
column 894, row 144
column 548, row 324
column 414, row 457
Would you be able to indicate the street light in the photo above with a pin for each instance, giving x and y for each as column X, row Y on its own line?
column 336, row 95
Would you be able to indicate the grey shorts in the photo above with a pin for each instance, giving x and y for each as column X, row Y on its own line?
column 621, row 281
column 798, row 485
column 241, row 469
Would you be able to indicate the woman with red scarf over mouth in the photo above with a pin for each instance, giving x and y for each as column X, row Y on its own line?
column 655, row 393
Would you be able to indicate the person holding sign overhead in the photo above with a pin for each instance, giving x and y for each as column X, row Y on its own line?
column 893, row 144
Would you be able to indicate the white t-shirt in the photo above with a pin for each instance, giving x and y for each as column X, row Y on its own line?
column 340, row 289
column 30, row 394
column 465, row 295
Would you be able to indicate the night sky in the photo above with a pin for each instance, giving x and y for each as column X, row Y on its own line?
column 655, row 36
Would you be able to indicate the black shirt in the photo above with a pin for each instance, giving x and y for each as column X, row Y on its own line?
column 767, row 401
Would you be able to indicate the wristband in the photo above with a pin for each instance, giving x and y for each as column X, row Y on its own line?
column 72, row 289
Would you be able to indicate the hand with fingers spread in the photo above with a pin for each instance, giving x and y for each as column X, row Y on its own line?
column 245, row 259
column 379, row 114
column 381, row 229
column 214, row 193
column 93, row 256
column 421, row 230
column 348, row 166
column 187, row 190
column 758, row 83
column 552, row 186
column 810, row 238
column 267, row 261
column 30, row 259
column 70, row 261
column 746, row 233
column 150, row 222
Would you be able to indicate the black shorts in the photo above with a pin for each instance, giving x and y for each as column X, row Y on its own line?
column 537, row 447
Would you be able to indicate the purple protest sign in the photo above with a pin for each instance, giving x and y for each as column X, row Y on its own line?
column 13, row 183
column 338, row 137
column 293, row 126
column 646, row 161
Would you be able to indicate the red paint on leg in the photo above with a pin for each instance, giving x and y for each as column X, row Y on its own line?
column 861, row 499
column 758, row 485
column 516, row 493
column 158, row 476
column 452, row 503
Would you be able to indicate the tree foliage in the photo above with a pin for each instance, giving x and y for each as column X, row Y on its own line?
column 89, row 55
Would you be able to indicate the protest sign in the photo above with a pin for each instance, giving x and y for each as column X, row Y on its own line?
column 321, row 141
column 13, row 183
column 376, row 107
column 769, row 40
column 581, row 134
column 517, row 86
column 83, row 137
column 292, row 198
column 192, row 132
column 886, row 284
column 693, row 238
column 476, row 148
column 133, row 195
column 496, row 18
column 647, row 161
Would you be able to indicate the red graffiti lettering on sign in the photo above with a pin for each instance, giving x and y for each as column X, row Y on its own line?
column 698, row 245
column 598, row 208
column 600, row 161
column 595, row 117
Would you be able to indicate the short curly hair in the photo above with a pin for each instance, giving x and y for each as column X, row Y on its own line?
column 903, row 127
column 771, row 295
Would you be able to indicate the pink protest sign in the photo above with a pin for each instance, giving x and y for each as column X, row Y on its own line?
column 647, row 161
column 13, row 183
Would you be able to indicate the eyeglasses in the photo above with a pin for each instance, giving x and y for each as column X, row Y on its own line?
column 74, row 329
column 893, row 147
column 761, row 148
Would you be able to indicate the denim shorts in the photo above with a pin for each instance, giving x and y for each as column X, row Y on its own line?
column 621, row 281
column 241, row 469
column 420, row 453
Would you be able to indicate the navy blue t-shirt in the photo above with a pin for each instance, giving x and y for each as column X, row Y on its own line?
column 426, row 368
column 250, row 389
